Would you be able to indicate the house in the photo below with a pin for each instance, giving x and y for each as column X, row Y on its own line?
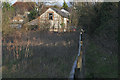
column 58, row 20
column 22, row 10
column 22, row 7
column 17, row 21
column 65, row 11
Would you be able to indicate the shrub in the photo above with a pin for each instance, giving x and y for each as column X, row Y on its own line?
column 44, row 26
column 33, row 27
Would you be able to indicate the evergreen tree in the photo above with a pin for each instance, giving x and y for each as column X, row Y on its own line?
column 65, row 6
column 32, row 15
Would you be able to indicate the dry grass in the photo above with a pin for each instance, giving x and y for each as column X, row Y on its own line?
column 50, row 55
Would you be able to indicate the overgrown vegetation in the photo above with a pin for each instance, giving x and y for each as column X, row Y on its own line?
column 39, row 54
column 33, row 14
column 100, row 23
column 95, row 17
column 100, row 63
column 7, row 9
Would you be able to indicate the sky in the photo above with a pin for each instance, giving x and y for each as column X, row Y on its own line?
column 13, row 1
column 59, row 3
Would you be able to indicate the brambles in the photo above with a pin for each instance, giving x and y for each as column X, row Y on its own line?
column 16, row 48
column 38, row 53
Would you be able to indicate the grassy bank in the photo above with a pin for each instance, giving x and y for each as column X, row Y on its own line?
column 99, row 63
column 51, row 55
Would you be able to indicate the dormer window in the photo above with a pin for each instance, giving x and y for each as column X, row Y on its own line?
column 50, row 16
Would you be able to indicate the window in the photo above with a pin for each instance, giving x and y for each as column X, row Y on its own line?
column 50, row 16
column 67, row 21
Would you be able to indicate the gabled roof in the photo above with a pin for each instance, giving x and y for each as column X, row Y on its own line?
column 63, row 10
column 33, row 22
column 63, row 14
column 24, row 5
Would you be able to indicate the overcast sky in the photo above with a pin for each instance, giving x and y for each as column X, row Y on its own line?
column 59, row 3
